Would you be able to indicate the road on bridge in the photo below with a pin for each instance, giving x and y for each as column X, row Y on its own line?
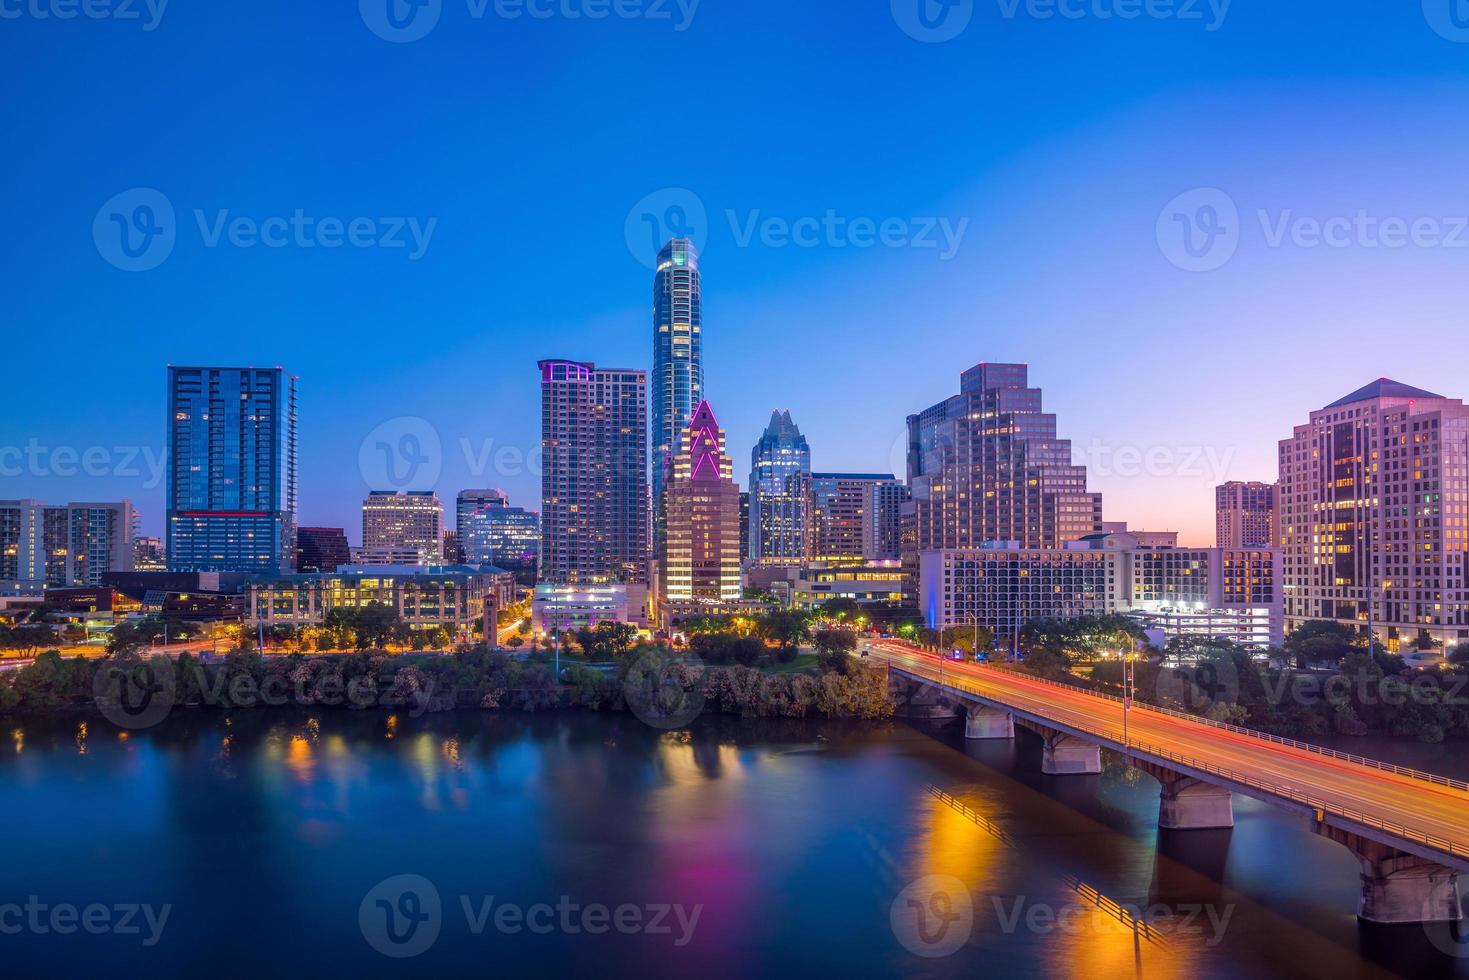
column 1402, row 802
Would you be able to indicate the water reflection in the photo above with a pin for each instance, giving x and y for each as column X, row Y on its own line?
column 795, row 839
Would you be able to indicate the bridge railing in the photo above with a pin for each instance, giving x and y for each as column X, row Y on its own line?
column 1131, row 745
column 1256, row 733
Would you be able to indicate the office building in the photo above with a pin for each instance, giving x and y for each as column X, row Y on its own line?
column 1004, row 587
column 1373, row 515
column 882, row 521
column 838, row 513
column 321, row 549
column 1244, row 515
column 492, row 532
column 677, row 382
column 404, row 521
column 987, row 465
column 73, row 544
column 149, row 554
column 460, row 599
column 231, row 497
column 594, row 480
column 701, row 557
column 780, row 485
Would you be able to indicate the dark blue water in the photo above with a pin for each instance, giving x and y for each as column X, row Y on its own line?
column 770, row 849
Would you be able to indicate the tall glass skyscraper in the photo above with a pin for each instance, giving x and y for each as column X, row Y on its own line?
column 678, row 365
column 231, row 503
column 780, row 483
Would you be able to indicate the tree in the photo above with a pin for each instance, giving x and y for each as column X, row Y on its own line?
column 133, row 634
column 607, row 641
column 834, row 649
column 377, row 624
column 1459, row 655
column 788, row 628
column 1323, row 641
column 962, row 638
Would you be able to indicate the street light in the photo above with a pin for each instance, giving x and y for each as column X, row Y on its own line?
column 1129, row 686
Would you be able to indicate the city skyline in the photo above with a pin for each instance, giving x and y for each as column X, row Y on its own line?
column 1055, row 176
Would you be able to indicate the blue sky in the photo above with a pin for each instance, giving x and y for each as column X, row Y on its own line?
column 1068, row 150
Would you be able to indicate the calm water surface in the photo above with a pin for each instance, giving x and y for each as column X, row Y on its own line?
column 264, row 833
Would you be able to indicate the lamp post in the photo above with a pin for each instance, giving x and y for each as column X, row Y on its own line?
column 1129, row 687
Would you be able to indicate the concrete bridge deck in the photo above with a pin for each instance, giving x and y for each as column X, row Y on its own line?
column 1384, row 813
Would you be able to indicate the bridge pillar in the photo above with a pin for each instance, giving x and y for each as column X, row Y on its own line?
column 1067, row 755
column 1188, row 804
column 924, row 702
column 1399, row 888
column 986, row 722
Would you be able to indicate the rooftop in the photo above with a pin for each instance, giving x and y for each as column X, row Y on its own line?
column 1383, row 388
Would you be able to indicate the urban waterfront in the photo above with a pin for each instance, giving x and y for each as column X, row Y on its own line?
column 257, row 839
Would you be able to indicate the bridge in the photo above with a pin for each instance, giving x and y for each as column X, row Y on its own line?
column 1409, row 830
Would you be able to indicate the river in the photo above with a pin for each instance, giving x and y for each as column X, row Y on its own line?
column 566, row 844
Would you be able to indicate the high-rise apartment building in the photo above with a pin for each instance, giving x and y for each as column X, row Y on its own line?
column 63, row 545
column 780, row 485
column 882, row 521
column 701, row 556
column 839, row 505
column 321, row 549
column 471, row 521
column 404, row 521
column 1373, row 514
column 594, row 481
column 231, row 504
column 1244, row 515
column 678, row 366
column 987, row 466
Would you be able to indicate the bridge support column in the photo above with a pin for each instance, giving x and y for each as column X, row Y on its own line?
column 1399, row 888
column 1067, row 755
column 1188, row 804
column 986, row 722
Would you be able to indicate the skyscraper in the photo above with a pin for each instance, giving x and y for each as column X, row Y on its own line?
column 1372, row 514
column 678, row 367
column 1244, row 515
column 594, row 481
column 838, row 513
column 780, row 475
column 471, row 522
column 701, row 557
column 882, row 521
column 987, row 466
column 63, row 545
column 231, row 504
column 404, row 521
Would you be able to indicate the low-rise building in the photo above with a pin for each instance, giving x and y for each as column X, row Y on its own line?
column 558, row 608
column 1192, row 589
column 424, row 596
